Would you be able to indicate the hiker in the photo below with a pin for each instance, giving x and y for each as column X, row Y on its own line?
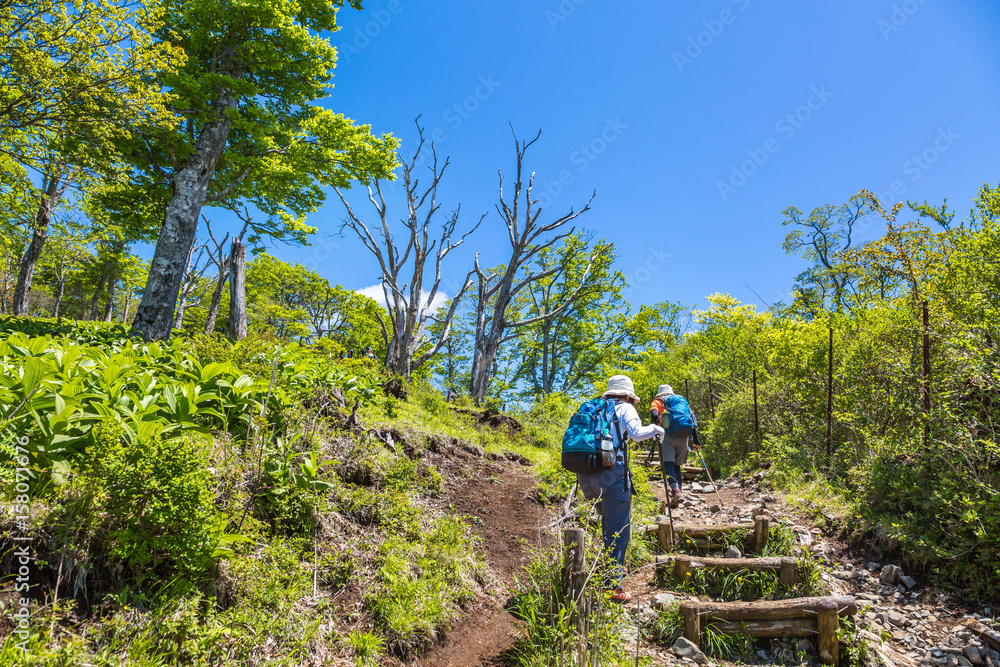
column 612, row 487
column 672, row 412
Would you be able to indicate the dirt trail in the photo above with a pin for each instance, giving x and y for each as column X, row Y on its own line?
column 498, row 499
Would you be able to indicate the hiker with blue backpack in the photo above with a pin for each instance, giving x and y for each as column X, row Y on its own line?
column 595, row 447
column 672, row 412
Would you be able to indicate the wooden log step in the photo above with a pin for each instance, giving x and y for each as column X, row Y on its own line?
column 786, row 568
column 799, row 617
column 775, row 629
column 766, row 610
column 988, row 634
column 700, row 530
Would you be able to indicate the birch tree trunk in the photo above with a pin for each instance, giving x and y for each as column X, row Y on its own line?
column 52, row 189
column 166, row 270
column 237, row 291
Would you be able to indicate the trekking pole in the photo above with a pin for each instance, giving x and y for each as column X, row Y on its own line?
column 707, row 472
column 666, row 491
column 652, row 450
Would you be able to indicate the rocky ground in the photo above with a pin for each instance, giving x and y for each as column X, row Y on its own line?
column 904, row 621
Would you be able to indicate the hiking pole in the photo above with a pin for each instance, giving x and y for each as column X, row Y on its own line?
column 666, row 491
column 707, row 472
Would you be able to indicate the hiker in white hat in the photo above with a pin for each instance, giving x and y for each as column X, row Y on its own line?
column 613, row 487
column 672, row 412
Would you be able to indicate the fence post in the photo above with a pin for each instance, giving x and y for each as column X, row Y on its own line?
column 827, row 620
column 829, row 402
column 574, row 574
column 926, row 389
column 756, row 417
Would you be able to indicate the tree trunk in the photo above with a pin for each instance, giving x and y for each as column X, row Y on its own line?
column 109, row 307
column 26, row 271
column 213, row 309
column 97, row 296
column 166, row 271
column 128, row 303
column 237, row 291
column 59, row 297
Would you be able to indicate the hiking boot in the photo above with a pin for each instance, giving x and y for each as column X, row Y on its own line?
column 675, row 497
column 620, row 595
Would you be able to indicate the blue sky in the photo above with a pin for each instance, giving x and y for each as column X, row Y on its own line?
column 696, row 123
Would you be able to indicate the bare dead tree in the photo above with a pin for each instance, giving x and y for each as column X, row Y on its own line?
column 237, row 281
column 497, row 291
column 403, row 265
column 193, row 271
column 220, row 258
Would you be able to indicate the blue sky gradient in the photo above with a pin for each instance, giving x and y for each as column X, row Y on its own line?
column 696, row 123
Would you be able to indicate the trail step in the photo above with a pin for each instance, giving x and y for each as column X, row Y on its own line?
column 785, row 567
column 797, row 617
column 702, row 534
column 688, row 473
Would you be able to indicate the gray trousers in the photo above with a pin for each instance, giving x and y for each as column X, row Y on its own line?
column 674, row 454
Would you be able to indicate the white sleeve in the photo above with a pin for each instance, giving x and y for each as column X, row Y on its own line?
column 629, row 419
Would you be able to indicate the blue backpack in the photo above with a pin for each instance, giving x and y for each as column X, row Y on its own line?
column 589, row 429
column 680, row 422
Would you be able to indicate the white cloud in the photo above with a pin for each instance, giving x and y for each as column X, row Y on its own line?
column 375, row 293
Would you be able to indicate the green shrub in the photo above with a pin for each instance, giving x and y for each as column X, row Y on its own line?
column 157, row 499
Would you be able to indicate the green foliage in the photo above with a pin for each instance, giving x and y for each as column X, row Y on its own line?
column 421, row 582
column 367, row 647
column 540, row 602
column 157, row 499
column 56, row 389
column 666, row 628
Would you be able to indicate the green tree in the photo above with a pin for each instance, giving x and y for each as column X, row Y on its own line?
column 249, row 131
column 820, row 239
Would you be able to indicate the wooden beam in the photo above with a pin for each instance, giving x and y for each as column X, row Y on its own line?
column 775, row 609
column 990, row 636
column 755, row 564
column 777, row 628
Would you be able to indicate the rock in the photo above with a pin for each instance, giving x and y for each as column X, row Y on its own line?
column 872, row 566
column 715, row 509
column 695, row 486
column 708, row 488
column 733, row 552
column 910, row 582
column 663, row 600
column 684, row 648
column 890, row 574
column 805, row 646
column 963, row 661
column 973, row 655
column 896, row 619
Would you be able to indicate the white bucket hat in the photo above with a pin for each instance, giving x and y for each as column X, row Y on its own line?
column 620, row 385
column 664, row 390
